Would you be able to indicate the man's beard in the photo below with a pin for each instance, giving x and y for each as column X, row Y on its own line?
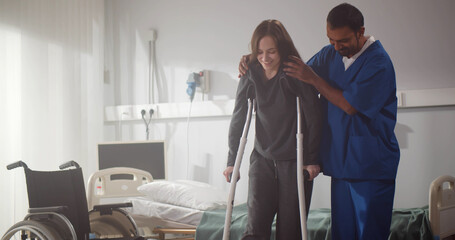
column 350, row 51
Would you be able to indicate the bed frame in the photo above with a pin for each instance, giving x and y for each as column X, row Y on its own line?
column 442, row 207
column 112, row 184
column 106, row 184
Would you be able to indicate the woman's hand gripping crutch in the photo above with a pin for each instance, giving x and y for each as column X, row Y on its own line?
column 238, row 162
column 302, row 175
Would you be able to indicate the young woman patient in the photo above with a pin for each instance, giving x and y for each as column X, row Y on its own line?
column 272, row 173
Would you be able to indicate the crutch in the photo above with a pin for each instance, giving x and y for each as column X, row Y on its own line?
column 301, row 173
column 238, row 161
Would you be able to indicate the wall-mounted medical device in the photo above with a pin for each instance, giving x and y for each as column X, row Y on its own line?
column 197, row 81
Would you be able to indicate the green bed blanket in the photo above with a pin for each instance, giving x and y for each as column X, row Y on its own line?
column 407, row 224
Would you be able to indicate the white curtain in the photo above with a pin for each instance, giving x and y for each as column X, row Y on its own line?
column 51, row 91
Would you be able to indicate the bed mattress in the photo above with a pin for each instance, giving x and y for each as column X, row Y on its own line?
column 148, row 208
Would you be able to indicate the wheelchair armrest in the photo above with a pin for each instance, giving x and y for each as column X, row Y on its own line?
column 56, row 209
column 107, row 208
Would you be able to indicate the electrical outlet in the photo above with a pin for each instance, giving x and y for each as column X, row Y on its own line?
column 145, row 109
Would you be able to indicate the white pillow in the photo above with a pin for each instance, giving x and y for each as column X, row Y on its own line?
column 185, row 193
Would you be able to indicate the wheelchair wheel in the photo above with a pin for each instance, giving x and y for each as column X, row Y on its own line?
column 30, row 229
column 117, row 224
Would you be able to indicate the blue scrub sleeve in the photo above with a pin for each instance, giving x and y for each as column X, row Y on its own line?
column 372, row 87
column 318, row 62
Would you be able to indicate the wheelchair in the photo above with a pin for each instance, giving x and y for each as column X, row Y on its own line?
column 58, row 209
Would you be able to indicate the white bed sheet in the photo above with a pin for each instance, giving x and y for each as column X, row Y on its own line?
column 149, row 208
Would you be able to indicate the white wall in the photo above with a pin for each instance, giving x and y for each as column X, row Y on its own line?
column 198, row 34
column 427, row 140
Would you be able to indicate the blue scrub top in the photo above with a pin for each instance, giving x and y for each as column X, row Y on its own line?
column 361, row 146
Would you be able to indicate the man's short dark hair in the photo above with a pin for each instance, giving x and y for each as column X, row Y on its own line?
column 345, row 15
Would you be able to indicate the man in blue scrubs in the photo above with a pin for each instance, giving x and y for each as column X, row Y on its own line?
column 356, row 80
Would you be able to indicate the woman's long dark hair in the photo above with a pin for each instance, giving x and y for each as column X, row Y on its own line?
column 278, row 33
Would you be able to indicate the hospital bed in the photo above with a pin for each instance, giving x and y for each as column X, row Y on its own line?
column 435, row 221
column 428, row 222
column 163, row 215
